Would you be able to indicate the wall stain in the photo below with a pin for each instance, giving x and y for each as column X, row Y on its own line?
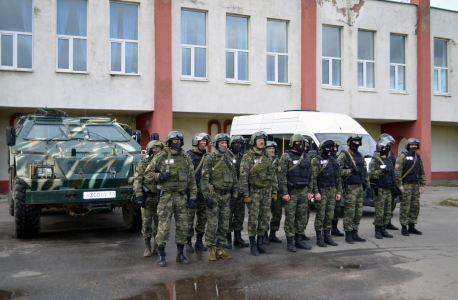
column 237, row 8
column 349, row 9
column 197, row 2
column 425, row 19
column 36, row 11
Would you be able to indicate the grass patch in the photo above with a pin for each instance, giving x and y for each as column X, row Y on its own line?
column 449, row 202
column 447, row 183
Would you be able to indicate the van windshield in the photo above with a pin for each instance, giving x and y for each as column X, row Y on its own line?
column 367, row 149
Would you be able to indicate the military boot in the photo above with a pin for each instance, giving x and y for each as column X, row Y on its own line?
column 273, row 238
column 378, row 232
column 327, row 238
column 391, row 226
column 199, row 245
column 229, row 240
column 238, row 241
column 356, row 237
column 189, row 247
column 384, row 232
column 147, row 252
column 305, row 238
column 335, row 231
column 300, row 243
column 404, row 231
column 348, row 237
column 319, row 239
column 221, row 253
column 155, row 251
column 180, row 256
column 413, row 230
column 253, row 246
column 266, row 238
column 161, row 260
column 211, row 253
column 261, row 248
column 290, row 244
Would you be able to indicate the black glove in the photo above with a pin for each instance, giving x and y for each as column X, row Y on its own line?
column 370, row 192
column 132, row 198
column 141, row 202
column 164, row 176
column 191, row 203
column 355, row 170
column 233, row 201
column 209, row 203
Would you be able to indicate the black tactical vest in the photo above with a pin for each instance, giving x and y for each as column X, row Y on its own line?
column 387, row 180
column 300, row 175
column 196, row 158
column 413, row 175
column 330, row 173
column 392, row 158
column 359, row 160
column 236, row 160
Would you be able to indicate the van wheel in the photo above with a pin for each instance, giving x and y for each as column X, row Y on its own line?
column 132, row 216
column 26, row 216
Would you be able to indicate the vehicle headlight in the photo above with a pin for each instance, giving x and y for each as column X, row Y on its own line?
column 44, row 172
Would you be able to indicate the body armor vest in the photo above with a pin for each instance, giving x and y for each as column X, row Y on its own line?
column 221, row 174
column 387, row 180
column 359, row 160
column 392, row 158
column 236, row 160
column 300, row 175
column 178, row 168
column 413, row 175
column 330, row 173
column 150, row 185
column 262, row 175
column 196, row 158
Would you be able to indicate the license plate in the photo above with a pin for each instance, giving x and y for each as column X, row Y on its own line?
column 99, row 195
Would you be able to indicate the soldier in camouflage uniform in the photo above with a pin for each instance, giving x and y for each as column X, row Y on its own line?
column 277, row 206
column 149, row 205
column 296, row 181
column 258, row 184
column 411, row 180
column 173, row 171
column 383, row 179
column 200, row 143
column 327, row 192
column 237, row 215
column 335, row 220
column 219, row 189
column 353, row 169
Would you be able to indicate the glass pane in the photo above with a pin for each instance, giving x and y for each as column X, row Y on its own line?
column 397, row 49
column 63, row 50
column 7, row 50
column 24, row 51
column 104, row 131
column 436, row 80
column 392, row 77
column 440, row 53
column 277, row 36
column 79, row 55
column 193, row 28
column 237, row 32
column 325, row 67
column 116, row 57
column 230, row 65
column 370, row 75
column 131, row 54
column 283, row 69
column 72, row 17
column 200, row 63
column 365, row 45
column 186, row 61
column 47, row 131
column 444, row 81
column 401, row 78
column 270, row 68
column 360, row 74
column 336, row 72
column 16, row 15
column 242, row 66
column 331, row 41
column 123, row 21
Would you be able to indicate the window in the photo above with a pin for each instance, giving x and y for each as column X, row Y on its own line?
column 331, row 53
column 38, row 131
column 236, row 48
column 193, row 44
column 277, row 51
column 72, row 35
column 124, row 38
column 366, row 62
column 104, row 132
column 16, row 34
column 397, row 62
column 440, row 66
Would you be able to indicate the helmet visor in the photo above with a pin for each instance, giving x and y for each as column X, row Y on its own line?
column 176, row 136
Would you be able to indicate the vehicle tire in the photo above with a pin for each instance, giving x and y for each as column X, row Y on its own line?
column 132, row 216
column 26, row 216
column 11, row 204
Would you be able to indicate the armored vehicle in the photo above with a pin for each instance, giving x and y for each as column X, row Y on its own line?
column 78, row 164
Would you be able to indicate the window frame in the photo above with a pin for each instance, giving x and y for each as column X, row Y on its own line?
column 193, row 51
column 330, row 59
column 236, row 54
column 276, row 54
column 396, row 68
column 439, row 69
column 364, row 62
column 70, row 53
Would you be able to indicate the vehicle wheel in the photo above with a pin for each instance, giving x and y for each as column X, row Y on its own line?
column 11, row 204
column 26, row 216
column 132, row 216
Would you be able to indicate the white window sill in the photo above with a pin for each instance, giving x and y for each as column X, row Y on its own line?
column 330, row 87
column 17, row 70
column 194, row 79
column 442, row 95
column 124, row 74
column 237, row 82
column 277, row 83
column 367, row 90
column 398, row 92
column 72, row 72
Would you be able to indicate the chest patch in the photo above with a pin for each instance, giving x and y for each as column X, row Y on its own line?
column 234, row 161
column 136, row 174
column 323, row 162
column 295, row 161
column 409, row 157
column 169, row 162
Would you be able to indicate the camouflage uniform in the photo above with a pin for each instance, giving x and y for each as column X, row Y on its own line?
column 338, row 204
column 200, row 211
column 300, row 228
column 392, row 158
column 237, row 215
column 276, row 206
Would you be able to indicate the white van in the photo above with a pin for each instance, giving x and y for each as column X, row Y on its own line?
column 313, row 125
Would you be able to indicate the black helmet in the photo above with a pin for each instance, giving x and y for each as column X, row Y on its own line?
column 386, row 136
column 355, row 137
column 382, row 144
column 236, row 139
column 200, row 136
column 173, row 135
column 326, row 144
column 412, row 141
column 258, row 135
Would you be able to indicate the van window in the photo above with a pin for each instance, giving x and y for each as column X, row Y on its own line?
column 282, row 141
column 367, row 149
column 45, row 131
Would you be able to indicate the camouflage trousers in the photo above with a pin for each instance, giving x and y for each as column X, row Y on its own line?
column 309, row 203
column 325, row 208
column 218, row 220
column 172, row 204
column 259, row 211
column 393, row 207
column 353, row 207
column 410, row 204
column 382, row 205
column 276, row 208
column 149, row 213
column 200, row 213
column 237, row 216
column 296, row 212
column 337, row 208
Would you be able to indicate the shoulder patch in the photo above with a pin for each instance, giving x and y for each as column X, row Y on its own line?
column 147, row 167
column 279, row 168
column 397, row 166
column 136, row 175
column 203, row 171
column 241, row 168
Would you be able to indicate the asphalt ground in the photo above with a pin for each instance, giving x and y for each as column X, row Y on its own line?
column 94, row 257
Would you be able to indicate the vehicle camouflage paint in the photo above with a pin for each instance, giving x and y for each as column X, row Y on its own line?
column 78, row 164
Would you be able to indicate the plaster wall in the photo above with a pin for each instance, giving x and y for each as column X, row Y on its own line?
column 444, row 142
